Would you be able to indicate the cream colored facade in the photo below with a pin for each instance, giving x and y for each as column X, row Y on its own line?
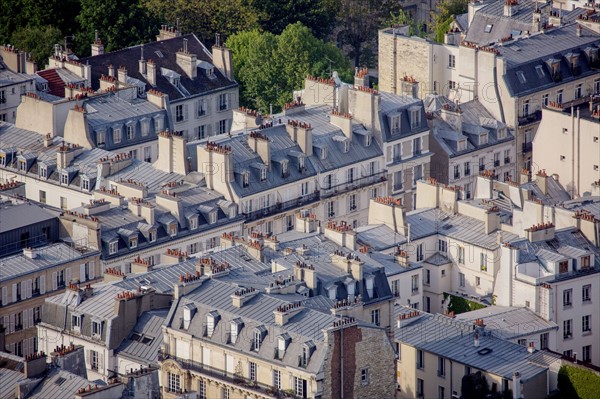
column 23, row 296
column 567, row 146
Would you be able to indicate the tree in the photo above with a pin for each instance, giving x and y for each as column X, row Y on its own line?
column 474, row 386
column 444, row 15
column 276, row 15
column 38, row 41
column 205, row 17
column 270, row 67
column 358, row 23
column 403, row 18
column 120, row 23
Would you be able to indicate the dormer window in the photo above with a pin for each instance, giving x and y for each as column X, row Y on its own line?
column 211, row 322
column 64, row 178
column 259, row 335
column 395, row 124
column 22, row 165
column 130, row 132
column 145, row 128
column 346, row 146
column 193, row 221
column 100, row 138
column 113, row 247
column 263, row 174
column 323, row 152
column 236, row 328
column 554, row 66
column 43, row 171
column 367, row 140
column 539, row 69
column 483, row 139
column 301, row 164
column 173, row 229
column 462, row 145
column 188, row 313
column 85, row 183
column 133, row 242
column 212, row 217
column 76, row 323
column 116, row 135
column 158, row 124
column 284, row 168
column 2, row 160
column 415, row 118
column 307, row 350
column 245, row 179
column 152, row 235
column 96, row 328
column 502, row 133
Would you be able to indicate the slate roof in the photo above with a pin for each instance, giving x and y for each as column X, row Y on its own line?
column 391, row 105
column 59, row 384
column 145, row 339
column 509, row 322
column 16, row 216
column 10, row 380
column 163, row 53
column 453, row 339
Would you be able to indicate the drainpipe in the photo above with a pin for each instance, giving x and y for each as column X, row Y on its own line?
column 342, row 362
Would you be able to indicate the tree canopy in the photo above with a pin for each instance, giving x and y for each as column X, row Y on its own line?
column 444, row 15
column 270, row 67
column 39, row 41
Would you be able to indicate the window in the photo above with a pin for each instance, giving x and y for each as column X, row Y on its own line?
column 545, row 100
column 544, row 339
column 481, row 163
column 113, row 247
column 597, row 86
column 352, row 203
column 331, row 209
column 417, row 174
column 42, row 196
column 152, row 235
column 477, row 281
column 179, row 113
column 420, row 387
column 522, row 342
column 467, row 188
column 467, row 168
column 427, row 277
column 419, row 252
column 300, row 387
column 202, row 108
column 304, row 189
column 586, row 325
column 145, row 128
column 64, row 178
column 364, row 376
column 223, row 126
column 257, row 340
column 323, row 152
column 559, row 96
column 568, row 297
column 442, row 246
column 441, row 366
column 116, row 135
column 350, row 175
column 276, row 379
column 567, row 329
column 483, row 260
column 578, row 90
column 496, row 159
column 441, row 392
column 252, row 373
column 225, row 393
column 488, row 28
column 130, row 132
column 398, row 180
column 374, row 193
column 539, row 69
column 451, row 61
column 563, row 266
column 173, row 382
column 461, row 255
column 223, row 102
column 157, row 125
column 96, row 328
column 397, row 152
column 586, row 293
column 202, row 390
column 585, row 260
column 521, row 77
column 420, row 359
column 375, row 316
column 263, row 174
column 461, row 279
column 63, row 203
column 173, row 229
column 587, row 353
column 85, row 184
column 75, row 321
column 568, row 353
column 395, row 125
column 94, row 360
column 451, row 84
column 414, row 280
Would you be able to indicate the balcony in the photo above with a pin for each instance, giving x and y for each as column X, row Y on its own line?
column 282, row 206
column 481, row 168
column 355, row 184
column 531, row 118
column 496, row 162
column 224, row 377
column 506, row 161
column 527, row 147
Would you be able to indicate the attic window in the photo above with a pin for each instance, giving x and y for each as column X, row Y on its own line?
column 96, row 328
column 259, row 336
column 501, row 133
column 173, row 229
column 539, row 69
column 395, row 124
column 521, row 77
column 211, row 323
column 483, row 139
column 133, row 242
column 263, row 174
column 307, row 350
column 488, row 28
column 323, row 152
column 462, row 145
column 301, row 164
column 367, row 140
column 85, row 184
column 212, row 217
column 64, row 178
column 44, row 172
column 113, row 247
column 159, row 54
column 284, row 168
column 415, row 118
column 245, row 179
column 346, row 146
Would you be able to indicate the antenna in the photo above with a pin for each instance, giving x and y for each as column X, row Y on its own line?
column 185, row 47
column 218, row 39
column 142, row 49
column 96, row 36
column 177, row 24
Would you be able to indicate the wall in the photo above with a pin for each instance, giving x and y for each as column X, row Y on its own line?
column 44, row 117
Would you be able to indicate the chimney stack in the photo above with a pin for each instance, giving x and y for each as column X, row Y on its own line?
column 516, row 385
column 97, row 46
column 222, row 58
column 142, row 62
column 187, row 61
column 476, row 340
column 151, row 72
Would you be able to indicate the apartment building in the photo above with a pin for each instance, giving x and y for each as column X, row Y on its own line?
column 29, row 278
column 227, row 340
column 568, row 145
column 198, row 83
column 435, row 352
column 466, row 140
column 15, row 80
column 514, row 59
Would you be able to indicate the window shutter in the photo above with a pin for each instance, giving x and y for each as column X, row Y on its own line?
column 42, row 284
column 25, row 347
column 358, row 195
column 31, row 322
column 92, row 271
column 25, row 320
column 54, row 283
column 185, row 112
column 100, row 362
column 29, row 288
column 4, row 296
column 11, row 323
column 23, row 289
column 14, row 292
column 5, row 323
column 67, row 275
column 208, row 130
column 88, row 358
column 82, row 273
column 228, row 100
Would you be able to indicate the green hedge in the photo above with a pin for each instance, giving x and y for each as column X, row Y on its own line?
column 459, row 304
column 578, row 383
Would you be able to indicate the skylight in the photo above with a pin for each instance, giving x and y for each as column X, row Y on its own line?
column 540, row 71
column 521, row 77
column 159, row 54
column 488, row 28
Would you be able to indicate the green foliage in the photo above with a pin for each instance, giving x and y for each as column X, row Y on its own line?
column 206, row 17
column 474, row 386
column 578, row 383
column 270, row 67
column 39, row 41
column 460, row 305
column 403, row 18
column 442, row 18
column 120, row 23
column 276, row 15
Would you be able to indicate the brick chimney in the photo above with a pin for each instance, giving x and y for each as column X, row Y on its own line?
column 259, row 143
column 361, row 77
column 142, row 62
column 301, row 133
column 187, row 61
column 343, row 121
column 97, row 46
column 222, row 58
column 243, row 295
column 122, row 72
column 151, row 72
column 541, row 179
column 510, row 7
column 284, row 313
column 172, row 153
column 167, row 32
